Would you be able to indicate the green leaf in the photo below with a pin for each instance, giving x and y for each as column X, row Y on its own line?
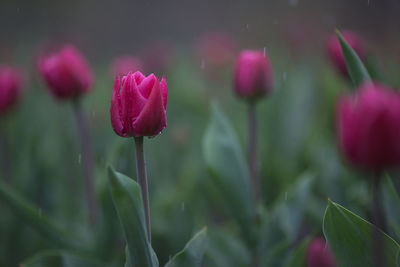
column 192, row 254
column 357, row 71
column 228, row 168
column 351, row 238
column 291, row 207
column 60, row 258
column 127, row 198
column 298, row 257
column 34, row 217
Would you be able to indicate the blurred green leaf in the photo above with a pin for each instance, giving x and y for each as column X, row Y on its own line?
column 292, row 205
column 298, row 257
column 192, row 254
column 225, row 249
column 228, row 168
column 351, row 238
column 357, row 71
column 128, row 202
column 34, row 217
column 60, row 258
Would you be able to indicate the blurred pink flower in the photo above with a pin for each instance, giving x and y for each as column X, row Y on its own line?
column 66, row 73
column 368, row 127
column 253, row 75
column 10, row 88
column 319, row 254
column 156, row 57
column 335, row 53
column 217, row 49
column 124, row 64
column 138, row 105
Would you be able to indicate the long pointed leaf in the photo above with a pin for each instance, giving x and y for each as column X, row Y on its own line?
column 192, row 254
column 60, row 258
column 228, row 168
column 128, row 202
column 351, row 238
column 33, row 216
column 357, row 71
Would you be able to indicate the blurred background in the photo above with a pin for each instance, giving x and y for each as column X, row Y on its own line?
column 194, row 44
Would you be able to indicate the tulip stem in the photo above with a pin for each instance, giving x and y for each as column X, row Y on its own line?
column 87, row 161
column 142, row 181
column 252, row 151
column 4, row 154
column 379, row 221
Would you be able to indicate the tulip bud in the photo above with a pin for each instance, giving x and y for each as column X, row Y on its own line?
column 253, row 75
column 125, row 64
column 138, row 105
column 335, row 52
column 66, row 73
column 368, row 127
column 319, row 254
column 10, row 88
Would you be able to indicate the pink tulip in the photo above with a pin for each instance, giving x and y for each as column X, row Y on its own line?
column 66, row 73
column 138, row 105
column 319, row 254
column 253, row 75
column 335, row 53
column 125, row 64
column 10, row 88
column 368, row 127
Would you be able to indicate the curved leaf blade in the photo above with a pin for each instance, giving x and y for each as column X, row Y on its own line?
column 33, row 216
column 351, row 238
column 60, row 258
column 128, row 202
column 228, row 168
column 192, row 254
column 357, row 71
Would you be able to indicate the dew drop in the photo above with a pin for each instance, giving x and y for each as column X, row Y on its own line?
column 265, row 51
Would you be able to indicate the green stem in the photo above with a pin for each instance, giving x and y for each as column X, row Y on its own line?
column 142, row 181
column 87, row 161
column 379, row 221
column 252, row 151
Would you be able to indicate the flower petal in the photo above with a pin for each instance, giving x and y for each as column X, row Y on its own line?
column 152, row 119
column 164, row 91
column 115, row 109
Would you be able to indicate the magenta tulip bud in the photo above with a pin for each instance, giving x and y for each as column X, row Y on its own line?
column 66, row 73
column 125, row 64
column 10, row 88
column 253, row 75
column 335, row 53
column 138, row 105
column 368, row 127
column 319, row 254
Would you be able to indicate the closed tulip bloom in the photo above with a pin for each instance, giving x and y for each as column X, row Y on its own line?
column 368, row 127
column 10, row 88
column 319, row 254
column 335, row 53
column 66, row 73
column 253, row 75
column 138, row 105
